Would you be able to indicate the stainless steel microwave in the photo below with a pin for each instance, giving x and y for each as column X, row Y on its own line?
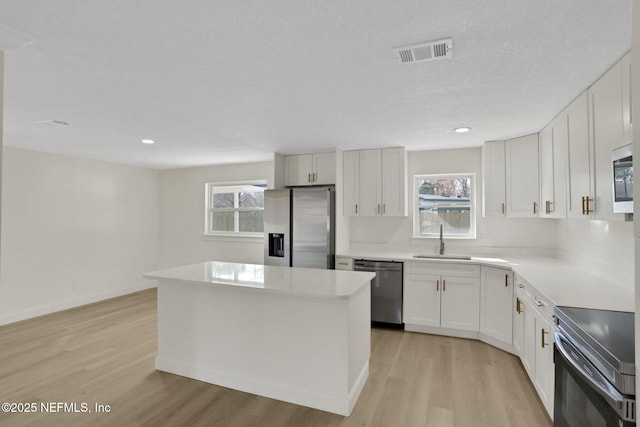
column 622, row 159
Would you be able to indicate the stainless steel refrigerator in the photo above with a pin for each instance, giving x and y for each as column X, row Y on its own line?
column 299, row 227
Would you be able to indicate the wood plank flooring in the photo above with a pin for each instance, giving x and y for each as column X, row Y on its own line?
column 104, row 353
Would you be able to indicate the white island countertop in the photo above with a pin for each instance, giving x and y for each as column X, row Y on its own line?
column 295, row 334
column 283, row 280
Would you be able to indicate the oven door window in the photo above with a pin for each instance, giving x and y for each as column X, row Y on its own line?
column 577, row 404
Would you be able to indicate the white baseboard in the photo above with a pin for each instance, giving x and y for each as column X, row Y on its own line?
column 342, row 405
column 441, row 331
column 65, row 304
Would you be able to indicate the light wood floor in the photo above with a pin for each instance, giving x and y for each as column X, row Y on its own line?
column 104, row 353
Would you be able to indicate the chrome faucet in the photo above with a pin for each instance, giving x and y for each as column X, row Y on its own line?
column 441, row 242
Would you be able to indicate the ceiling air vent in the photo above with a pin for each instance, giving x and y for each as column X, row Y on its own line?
column 423, row 52
column 57, row 123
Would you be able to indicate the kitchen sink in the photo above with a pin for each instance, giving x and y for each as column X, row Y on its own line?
column 462, row 257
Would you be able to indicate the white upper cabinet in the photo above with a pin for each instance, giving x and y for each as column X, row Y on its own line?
column 553, row 169
column 494, row 179
column 370, row 182
column 523, row 187
column 580, row 186
column 547, row 195
column 310, row 169
column 351, row 183
column 375, row 182
column 394, row 193
column 606, row 132
column 626, row 98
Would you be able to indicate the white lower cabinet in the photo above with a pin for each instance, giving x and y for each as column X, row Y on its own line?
column 439, row 296
column 534, row 340
column 496, row 301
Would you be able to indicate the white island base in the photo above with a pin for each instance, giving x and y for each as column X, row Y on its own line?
column 297, row 335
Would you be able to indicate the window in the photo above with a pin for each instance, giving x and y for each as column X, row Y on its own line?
column 235, row 208
column 446, row 200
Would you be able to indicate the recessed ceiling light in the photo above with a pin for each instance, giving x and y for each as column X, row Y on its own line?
column 147, row 141
column 462, row 129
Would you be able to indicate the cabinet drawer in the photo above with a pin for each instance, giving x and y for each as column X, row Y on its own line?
column 343, row 263
column 525, row 291
column 442, row 269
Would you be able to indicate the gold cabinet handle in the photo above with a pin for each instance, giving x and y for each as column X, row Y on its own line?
column 308, row 177
column 315, row 177
column 444, row 285
column 542, row 334
column 548, row 207
column 384, row 208
column 585, row 205
column 378, row 208
column 518, row 305
column 506, row 280
column 502, row 208
column 535, row 208
column 437, row 285
column 356, row 209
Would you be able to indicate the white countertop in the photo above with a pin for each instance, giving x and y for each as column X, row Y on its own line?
column 285, row 280
column 559, row 281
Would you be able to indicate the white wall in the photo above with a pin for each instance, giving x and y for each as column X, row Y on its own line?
column 604, row 248
column 182, row 213
column 504, row 233
column 73, row 231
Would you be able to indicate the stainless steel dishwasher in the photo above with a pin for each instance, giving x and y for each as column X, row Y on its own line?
column 386, row 290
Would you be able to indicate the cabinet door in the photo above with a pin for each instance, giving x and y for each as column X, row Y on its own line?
column 460, row 303
column 558, row 206
column 605, row 98
column 394, row 201
column 496, row 301
column 522, row 176
column 370, row 181
column 351, row 183
column 547, row 196
column 421, row 300
column 493, row 179
column 544, row 367
column 528, row 354
column 299, row 170
column 580, row 175
column 626, row 98
column 324, row 168
column 518, row 321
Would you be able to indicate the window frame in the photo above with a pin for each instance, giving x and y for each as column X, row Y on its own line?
column 208, row 208
column 472, row 206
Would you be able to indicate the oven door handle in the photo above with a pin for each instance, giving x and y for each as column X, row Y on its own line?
column 591, row 374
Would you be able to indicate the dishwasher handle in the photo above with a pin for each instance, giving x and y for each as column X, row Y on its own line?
column 364, row 265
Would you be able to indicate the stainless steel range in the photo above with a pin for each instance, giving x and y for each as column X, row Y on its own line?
column 595, row 368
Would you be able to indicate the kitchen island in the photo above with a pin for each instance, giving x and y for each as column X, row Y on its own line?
column 293, row 334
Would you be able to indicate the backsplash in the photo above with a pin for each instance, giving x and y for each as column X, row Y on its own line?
column 601, row 247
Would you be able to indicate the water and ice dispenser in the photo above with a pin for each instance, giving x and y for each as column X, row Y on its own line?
column 276, row 244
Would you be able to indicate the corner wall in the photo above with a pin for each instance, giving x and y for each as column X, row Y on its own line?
column 74, row 231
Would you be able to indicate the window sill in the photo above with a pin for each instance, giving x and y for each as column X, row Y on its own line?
column 445, row 238
column 237, row 238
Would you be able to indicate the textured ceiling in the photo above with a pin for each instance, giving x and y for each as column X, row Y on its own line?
column 225, row 81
